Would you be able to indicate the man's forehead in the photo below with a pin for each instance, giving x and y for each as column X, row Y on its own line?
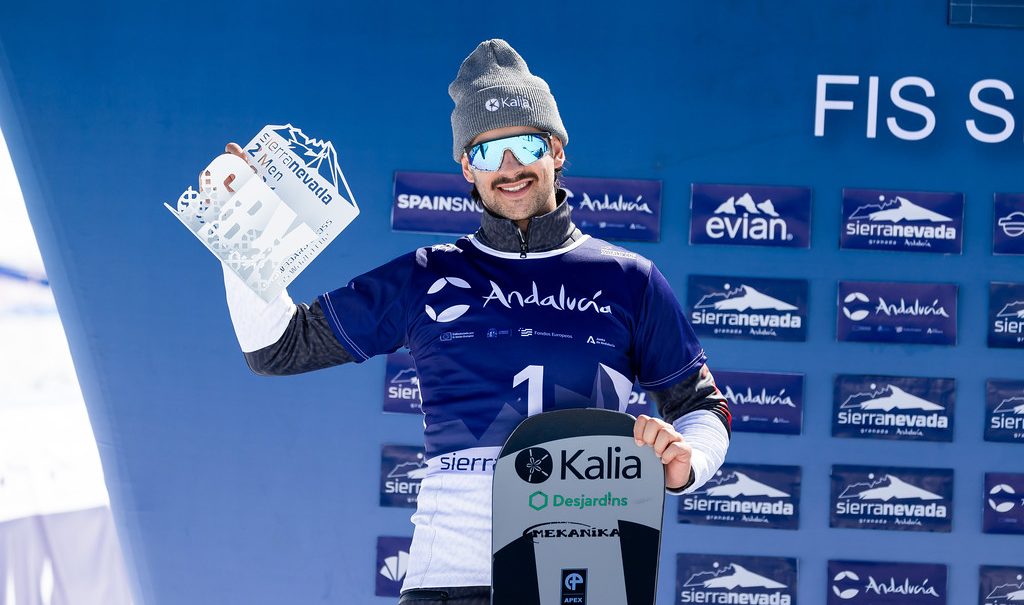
column 498, row 133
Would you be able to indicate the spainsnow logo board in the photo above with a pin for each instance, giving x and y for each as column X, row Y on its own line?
column 1004, row 503
column 897, row 312
column 392, row 564
column 746, row 495
column 402, row 468
column 999, row 585
column 1008, row 225
column 750, row 215
column 401, row 384
column 1006, row 315
column 910, row 221
column 1004, row 403
column 747, row 307
column 763, row 402
column 891, row 498
column 880, row 583
column 735, row 579
column 618, row 209
column 893, row 407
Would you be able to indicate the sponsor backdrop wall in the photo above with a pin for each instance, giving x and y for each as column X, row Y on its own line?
column 854, row 150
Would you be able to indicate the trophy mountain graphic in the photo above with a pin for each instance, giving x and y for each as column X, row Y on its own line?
column 738, row 484
column 897, row 210
column 1013, row 405
column 730, row 577
column 741, row 299
column 1014, row 309
column 889, row 487
column 889, row 398
column 316, row 153
column 747, row 203
column 395, row 567
column 1012, row 224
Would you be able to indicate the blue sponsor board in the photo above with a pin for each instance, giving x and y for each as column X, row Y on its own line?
column 1004, row 503
column 1004, row 405
column 401, row 384
column 891, row 498
column 638, row 402
column 897, row 312
column 910, row 221
column 748, row 307
column 392, row 564
column 893, row 407
column 1006, row 315
column 881, row 583
column 735, row 579
column 746, row 495
column 750, row 215
column 1000, row 585
column 613, row 209
column 763, row 402
column 402, row 468
column 1008, row 224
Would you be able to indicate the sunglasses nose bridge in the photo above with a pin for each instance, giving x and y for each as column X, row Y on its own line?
column 509, row 161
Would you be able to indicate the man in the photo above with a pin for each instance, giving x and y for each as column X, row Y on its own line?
column 526, row 315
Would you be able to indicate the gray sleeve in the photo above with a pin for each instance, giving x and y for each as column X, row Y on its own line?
column 307, row 344
column 695, row 392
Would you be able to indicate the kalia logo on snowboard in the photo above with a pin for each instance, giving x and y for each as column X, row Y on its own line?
column 750, row 215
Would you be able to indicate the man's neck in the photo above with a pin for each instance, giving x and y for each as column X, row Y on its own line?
column 536, row 234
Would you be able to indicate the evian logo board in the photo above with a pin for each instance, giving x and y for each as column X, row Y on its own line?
column 613, row 209
column 882, row 583
column 735, row 579
column 897, row 312
column 893, row 407
column 1004, row 404
column 746, row 495
column 750, row 215
column 998, row 585
column 910, row 221
column 763, row 402
column 905, row 499
column 1006, row 315
column 747, row 307
column 1008, row 224
column 392, row 564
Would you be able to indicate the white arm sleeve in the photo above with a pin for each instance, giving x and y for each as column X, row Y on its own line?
column 257, row 323
column 705, row 433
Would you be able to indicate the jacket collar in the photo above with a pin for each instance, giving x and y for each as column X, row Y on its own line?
column 545, row 232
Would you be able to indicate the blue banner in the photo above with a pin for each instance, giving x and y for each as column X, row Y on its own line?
column 891, row 498
column 1008, row 224
column 999, row 585
column 748, row 307
column 909, row 221
column 638, row 402
column 392, row 564
column 1004, row 503
column 402, row 468
column 750, row 215
column 735, row 579
column 763, row 402
column 401, row 384
column 893, row 407
column 879, row 583
column 611, row 209
column 897, row 312
column 1004, row 406
column 746, row 495
column 1006, row 315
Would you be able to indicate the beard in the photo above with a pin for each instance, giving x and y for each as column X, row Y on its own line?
column 538, row 200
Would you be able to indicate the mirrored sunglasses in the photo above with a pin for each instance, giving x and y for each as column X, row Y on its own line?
column 528, row 148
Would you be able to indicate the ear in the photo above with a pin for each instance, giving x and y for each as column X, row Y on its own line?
column 467, row 172
column 557, row 151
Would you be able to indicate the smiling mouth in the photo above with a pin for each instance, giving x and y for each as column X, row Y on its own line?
column 515, row 187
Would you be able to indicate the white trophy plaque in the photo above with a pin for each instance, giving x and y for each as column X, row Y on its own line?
column 268, row 229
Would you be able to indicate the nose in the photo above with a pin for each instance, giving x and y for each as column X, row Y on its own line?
column 509, row 162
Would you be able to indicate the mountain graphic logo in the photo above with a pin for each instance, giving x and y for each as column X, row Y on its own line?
column 396, row 566
column 1013, row 310
column 737, row 484
column 731, row 577
column 746, row 203
column 407, row 375
column 414, row 471
column 897, row 210
column 317, row 154
column 1007, row 593
column 742, row 299
column 1013, row 405
column 886, row 488
column 889, row 398
column 1012, row 224
column 451, row 313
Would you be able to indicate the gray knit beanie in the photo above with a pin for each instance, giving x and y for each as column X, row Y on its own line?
column 495, row 89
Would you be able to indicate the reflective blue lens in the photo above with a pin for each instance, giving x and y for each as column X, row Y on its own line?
column 528, row 148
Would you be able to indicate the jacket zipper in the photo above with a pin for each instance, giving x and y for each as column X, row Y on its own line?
column 523, row 246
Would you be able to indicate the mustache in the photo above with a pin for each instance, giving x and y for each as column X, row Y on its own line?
column 512, row 179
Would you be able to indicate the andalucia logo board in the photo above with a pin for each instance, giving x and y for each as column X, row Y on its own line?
column 763, row 402
column 1004, row 503
column 1008, row 224
column 885, row 583
column 392, row 565
column 897, row 312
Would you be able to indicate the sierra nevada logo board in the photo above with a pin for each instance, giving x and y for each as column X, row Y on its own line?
column 1006, row 315
column 401, row 384
column 735, row 579
column 402, row 468
column 746, row 495
column 910, row 221
column 750, row 215
column 1000, row 585
column 890, row 498
column 884, row 583
column 1004, row 403
column 748, row 307
column 576, row 512
column 763, row 402
column 893, row 407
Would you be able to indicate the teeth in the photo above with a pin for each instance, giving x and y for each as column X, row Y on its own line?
column 513, row 189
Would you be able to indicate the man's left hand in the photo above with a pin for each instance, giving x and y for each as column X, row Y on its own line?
column 669, row 445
